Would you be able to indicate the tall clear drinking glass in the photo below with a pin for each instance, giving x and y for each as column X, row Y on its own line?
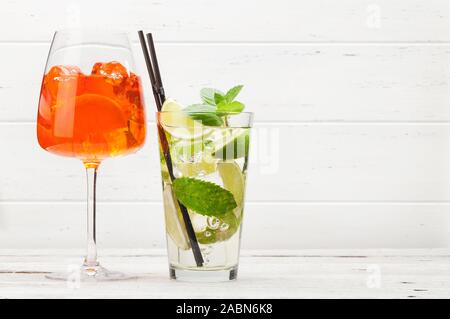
column 209, row 176
column 91, row 108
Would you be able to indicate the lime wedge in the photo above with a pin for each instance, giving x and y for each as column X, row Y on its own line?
column 226, row 227
column 233, row 180
column 232, row 145
column 174, row 220
column 178, row 124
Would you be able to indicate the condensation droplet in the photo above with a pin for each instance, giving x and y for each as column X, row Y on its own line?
column 207, row 234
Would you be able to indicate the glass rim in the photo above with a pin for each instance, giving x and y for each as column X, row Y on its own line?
column 234, row 120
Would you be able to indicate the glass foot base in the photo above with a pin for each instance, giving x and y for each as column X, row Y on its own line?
column 86, row 273
column 203, row 275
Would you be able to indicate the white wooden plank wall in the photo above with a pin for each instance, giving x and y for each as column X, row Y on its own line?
column 352, row 99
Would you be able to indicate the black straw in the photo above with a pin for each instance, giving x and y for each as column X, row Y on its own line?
column 158, row 93
column 158, row 82
column 148, row 63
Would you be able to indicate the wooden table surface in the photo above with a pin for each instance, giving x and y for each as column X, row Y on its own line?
column 262, row 274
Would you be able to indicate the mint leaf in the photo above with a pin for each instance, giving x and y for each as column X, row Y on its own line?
column 204, row 113
column 218, row 98
column 207, row 95
column 204, row 198
column 233, row 92
column 231, row 107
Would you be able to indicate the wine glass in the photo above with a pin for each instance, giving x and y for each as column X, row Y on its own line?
column 91, row 108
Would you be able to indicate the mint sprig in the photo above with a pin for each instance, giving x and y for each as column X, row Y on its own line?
column 215, row 105
column 204, row 198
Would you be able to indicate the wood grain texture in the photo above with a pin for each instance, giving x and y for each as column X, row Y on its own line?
column 313, row 83
column 278, row 226
column 254, row 20
column 302, row 274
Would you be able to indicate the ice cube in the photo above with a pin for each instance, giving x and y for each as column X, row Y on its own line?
column 133, row 89
column 62, row 72
column 114, row 72
column 59, row 81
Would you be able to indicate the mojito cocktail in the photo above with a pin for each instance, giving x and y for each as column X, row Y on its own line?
column 208, row 145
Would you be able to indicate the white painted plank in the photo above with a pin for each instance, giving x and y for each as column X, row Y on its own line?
column 288, row 163
column 283, row 83
column 254, row 20
column 259, row 277
column 279, row 226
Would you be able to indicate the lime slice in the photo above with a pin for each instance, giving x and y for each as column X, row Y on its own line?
column 234, row 181
column 226, row 227
column 178, row 124
column 174, row 220
column 206, row 237
column 232, row 145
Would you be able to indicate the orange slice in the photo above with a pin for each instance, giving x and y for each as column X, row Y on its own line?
column 97, row 114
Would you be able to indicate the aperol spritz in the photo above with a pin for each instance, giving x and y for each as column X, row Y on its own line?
column 91, row 116
column 91, row 108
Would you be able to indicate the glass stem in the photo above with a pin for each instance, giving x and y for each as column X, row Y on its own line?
column 91, row 256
